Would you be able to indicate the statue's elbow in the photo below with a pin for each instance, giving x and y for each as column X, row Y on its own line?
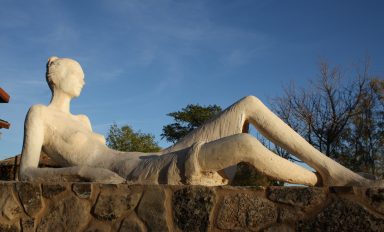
column 24, row 177
column 25, row 173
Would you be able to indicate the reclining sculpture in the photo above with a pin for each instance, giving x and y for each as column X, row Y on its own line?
column 199, row 158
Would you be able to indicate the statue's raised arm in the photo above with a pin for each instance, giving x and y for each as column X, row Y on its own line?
column 198, row 158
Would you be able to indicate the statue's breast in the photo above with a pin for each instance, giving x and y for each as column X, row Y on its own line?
column 69, row 140
column 77, row 139
column 69, row 146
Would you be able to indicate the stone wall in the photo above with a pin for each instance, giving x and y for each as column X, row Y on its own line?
column 96, row 207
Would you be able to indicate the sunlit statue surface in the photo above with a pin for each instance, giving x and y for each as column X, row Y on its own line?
column 199, row 158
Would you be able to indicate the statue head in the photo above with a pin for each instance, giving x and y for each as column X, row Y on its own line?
column 65, row 75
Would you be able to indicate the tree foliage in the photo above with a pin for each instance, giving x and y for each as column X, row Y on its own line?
column 364, row 136
column 188, row 119
column 125, row 139
column 340, row 116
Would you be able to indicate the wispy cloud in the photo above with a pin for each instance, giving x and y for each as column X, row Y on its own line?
column 192, row 32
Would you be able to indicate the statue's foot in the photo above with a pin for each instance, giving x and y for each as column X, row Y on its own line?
column 113, row 180
column 376, row 183
column 368, row 176
column 104, row 176
column 345, row 177
column 207, row 179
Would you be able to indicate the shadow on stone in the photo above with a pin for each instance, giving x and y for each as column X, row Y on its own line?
column 342, row 215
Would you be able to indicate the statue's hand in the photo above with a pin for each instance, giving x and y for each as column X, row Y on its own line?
column 102, row 175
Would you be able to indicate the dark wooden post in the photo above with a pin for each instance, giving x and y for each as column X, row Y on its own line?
column 4, row 98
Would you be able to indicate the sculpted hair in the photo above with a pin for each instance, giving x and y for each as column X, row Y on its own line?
column 52, row 65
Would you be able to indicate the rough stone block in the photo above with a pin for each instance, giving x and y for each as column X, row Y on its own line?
column 51, row 190
column 133, row 224
column 28, row 224
column 342, row 215
column 9, row 228
column 192, row 208
column 98, row 226
column 68, row 214
column 280, row 228
column 9, row 206
column 82, row 190
column 375, row 198
column 341, row 189
column 30, row 196
column 113, row 203
column 297, row 196
column 152, row 209
column 245, row 211
column 297, row 203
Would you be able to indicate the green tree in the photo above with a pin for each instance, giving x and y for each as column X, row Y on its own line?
column 188, row 119
column 125, row 139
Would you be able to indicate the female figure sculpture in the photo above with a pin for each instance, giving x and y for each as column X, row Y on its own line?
column 198, row 158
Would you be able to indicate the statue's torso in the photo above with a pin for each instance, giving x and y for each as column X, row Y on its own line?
column 69, row 140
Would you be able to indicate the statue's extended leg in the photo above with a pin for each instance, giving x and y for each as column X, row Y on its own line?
column 272, row 127
column 219, row 154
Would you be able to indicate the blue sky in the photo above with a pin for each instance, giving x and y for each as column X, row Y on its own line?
column 143, row 59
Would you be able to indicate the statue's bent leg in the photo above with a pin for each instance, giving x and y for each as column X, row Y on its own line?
column 235, row 120
column 229, row 122
column 231, row 150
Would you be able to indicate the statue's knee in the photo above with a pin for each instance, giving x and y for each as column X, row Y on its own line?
column 250, row 100
column 246, row 147
column 244, row 137
column 246, row 141
column 24, row 176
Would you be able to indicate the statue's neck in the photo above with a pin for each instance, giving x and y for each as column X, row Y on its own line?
column 60, row 101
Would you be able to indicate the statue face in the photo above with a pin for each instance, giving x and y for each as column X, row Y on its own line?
column 72, row 81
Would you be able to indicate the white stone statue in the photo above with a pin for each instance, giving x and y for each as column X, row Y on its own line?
column 199, row 158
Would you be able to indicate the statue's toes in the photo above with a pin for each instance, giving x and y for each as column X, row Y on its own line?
column 116, row 180
column 377, row 183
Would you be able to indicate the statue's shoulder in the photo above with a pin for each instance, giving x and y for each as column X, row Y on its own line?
column 37, row 109
column 84, row 118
